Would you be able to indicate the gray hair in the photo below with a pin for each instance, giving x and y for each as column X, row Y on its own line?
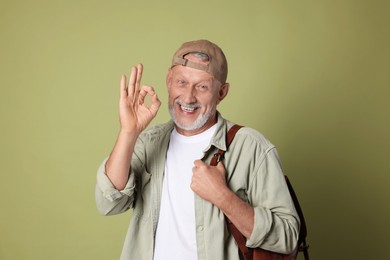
column 200, row 55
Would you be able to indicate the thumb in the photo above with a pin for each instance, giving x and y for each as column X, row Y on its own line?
column 198, row 163
column 220, row 166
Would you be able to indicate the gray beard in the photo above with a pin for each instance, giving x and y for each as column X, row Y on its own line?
column 198, row 123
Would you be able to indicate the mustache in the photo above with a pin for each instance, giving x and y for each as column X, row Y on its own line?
column 185, row 105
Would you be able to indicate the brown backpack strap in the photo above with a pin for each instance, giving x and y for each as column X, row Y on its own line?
column 229, row 138
column 240, row 240
column 302, row 246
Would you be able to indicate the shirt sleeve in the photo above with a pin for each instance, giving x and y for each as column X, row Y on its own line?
column 276, row 223
column 109, row 200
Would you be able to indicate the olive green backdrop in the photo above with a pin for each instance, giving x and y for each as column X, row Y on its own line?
column 313, row 76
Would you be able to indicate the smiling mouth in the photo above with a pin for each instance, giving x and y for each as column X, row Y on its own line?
column 188, row 108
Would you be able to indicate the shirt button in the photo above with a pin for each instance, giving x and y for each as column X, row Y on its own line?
column 200, row 228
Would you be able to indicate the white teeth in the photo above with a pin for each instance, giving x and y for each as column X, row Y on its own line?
column 187, row 109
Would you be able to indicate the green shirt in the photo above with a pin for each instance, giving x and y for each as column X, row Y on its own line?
column 253, row 172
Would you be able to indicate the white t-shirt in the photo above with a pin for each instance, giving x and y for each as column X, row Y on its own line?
column 175, row 235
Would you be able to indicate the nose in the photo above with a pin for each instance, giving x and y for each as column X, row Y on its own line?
column 189, row 95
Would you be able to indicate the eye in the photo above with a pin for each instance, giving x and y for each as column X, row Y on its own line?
column 181, row 82
column 203, row 87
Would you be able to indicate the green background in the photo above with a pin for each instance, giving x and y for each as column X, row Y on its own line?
column 313, row 76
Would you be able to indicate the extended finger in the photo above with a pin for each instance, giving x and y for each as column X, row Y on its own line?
column 123, row 90
column 132, row 81
column 138, row 78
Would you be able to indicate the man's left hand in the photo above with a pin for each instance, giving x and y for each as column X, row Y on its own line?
column 209, row 182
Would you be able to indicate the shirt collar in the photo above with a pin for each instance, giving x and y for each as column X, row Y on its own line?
column 219, row 138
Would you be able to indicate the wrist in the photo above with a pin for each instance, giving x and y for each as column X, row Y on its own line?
column 128, row 136
column 225, row 198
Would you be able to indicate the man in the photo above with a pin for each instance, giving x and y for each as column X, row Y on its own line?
column 163, row 173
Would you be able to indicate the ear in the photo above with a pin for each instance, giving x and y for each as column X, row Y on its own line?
column 223, row 91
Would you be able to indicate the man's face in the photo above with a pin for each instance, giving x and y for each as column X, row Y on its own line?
column 193, row 99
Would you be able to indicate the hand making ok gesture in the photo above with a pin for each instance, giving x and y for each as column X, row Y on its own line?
column 134, row 114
